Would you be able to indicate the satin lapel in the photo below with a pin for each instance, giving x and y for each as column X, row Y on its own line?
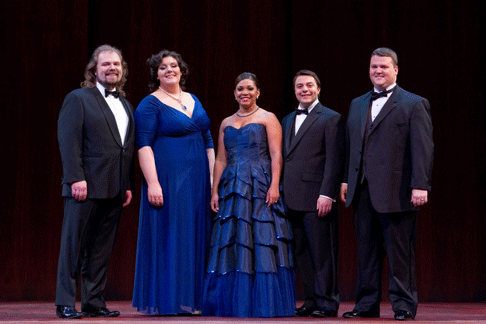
column 364, row 113
column 130, row 118
column 288, row 131
column 311, row 118
column 110, row 118
column 389, row 105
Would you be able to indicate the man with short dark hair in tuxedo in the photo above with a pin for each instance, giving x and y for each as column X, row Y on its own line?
column 313, row 154
column 387, row 178
column 96, row 135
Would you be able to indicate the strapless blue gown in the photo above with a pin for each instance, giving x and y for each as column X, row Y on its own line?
column 250, row 270
column 172, row 239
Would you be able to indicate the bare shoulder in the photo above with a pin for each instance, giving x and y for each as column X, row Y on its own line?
column 266, row 117
column 228, row 121
column 270, row 121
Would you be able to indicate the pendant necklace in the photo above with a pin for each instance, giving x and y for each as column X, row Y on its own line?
column 246, row 115
column 173, row 97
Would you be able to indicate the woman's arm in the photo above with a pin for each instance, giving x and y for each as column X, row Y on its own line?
column 219, row 165
column 274, row 136
column 147, row 164
column 210, row 153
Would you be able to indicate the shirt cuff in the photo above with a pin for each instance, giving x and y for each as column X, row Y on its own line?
column 333, row 200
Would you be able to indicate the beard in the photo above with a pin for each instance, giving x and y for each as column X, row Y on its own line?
column 109, row 84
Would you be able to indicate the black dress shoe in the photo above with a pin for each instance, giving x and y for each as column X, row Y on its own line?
column 100, row 312
column 356, row 314
column 403, row 315
column 68, row 312
column 304, row 311
column 326, row 312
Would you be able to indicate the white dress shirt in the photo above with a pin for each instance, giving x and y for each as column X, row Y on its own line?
column 377, row 105
column 299, row 119
column 118, row 111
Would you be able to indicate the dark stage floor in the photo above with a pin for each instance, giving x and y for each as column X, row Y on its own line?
column 28, row 312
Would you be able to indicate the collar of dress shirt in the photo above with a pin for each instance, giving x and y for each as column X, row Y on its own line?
column 388, row 88
column 310, row 107
column 102, row 90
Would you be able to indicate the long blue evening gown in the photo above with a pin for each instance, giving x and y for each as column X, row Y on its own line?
column 250, row 270
column 172, row 239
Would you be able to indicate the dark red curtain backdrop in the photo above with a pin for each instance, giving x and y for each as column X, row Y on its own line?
column 45, row 46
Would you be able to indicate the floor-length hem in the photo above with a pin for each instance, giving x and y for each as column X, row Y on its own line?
column 172, row 239
column 250, row 270
column 238, row 294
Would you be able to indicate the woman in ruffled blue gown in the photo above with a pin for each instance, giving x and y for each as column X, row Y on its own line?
column 175, row 153
column 250, row 271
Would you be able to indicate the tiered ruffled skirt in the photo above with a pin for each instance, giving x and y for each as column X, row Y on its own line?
column 250, row 270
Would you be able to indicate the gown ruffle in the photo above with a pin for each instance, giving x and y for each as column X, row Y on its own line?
column 250, row 270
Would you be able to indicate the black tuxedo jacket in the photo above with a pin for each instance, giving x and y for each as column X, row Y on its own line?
column 91, row 147
column 313, row 158
column 399, row 150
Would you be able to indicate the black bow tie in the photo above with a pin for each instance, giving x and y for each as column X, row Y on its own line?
column 377, row 95
column 114, row 93
column 301, row 111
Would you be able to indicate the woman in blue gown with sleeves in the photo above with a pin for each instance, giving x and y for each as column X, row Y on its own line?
column 250, row 271
column 176, row 154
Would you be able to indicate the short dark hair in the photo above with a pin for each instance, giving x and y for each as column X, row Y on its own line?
column 90, row 71
column 310, row 73
column 249, row 76
column 154, row 63
column 384, row 51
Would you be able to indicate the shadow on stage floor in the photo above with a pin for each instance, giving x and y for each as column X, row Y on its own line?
column 28, row 312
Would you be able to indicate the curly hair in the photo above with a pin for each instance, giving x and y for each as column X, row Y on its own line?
column 154, row 62
column 89, row 72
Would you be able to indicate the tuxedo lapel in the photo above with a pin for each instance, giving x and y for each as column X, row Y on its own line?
column 390, row 104
column 310, row 119
column 365, row 107
column 130, row 117
column 110, row 118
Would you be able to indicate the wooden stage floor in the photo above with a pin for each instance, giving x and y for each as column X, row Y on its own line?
column 30, row 312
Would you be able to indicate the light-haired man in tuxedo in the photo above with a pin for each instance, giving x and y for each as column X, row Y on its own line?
column 96, row 137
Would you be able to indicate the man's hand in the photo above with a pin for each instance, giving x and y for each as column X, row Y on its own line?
column 419, row 197
column 324, row 206
column 344, row 192
column 128, row 198
column 79, row 190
